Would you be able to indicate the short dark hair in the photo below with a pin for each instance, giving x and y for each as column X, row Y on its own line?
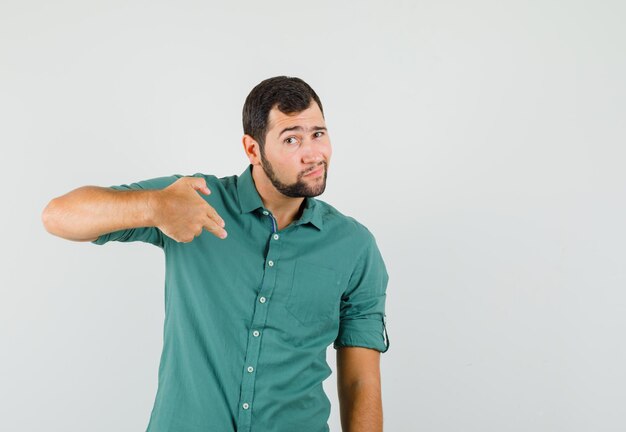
column 288, row 94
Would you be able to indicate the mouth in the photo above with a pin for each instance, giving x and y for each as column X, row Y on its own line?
column 317, row 171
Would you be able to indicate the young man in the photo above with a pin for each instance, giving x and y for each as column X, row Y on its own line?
column 253, row 303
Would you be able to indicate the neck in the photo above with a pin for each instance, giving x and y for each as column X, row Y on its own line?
column 285, row 209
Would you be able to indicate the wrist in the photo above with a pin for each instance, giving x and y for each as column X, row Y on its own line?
column 153, row 200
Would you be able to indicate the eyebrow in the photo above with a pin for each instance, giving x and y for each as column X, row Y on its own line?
column 300, row 128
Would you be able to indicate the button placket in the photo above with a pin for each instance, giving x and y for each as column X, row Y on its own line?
column 259, row 319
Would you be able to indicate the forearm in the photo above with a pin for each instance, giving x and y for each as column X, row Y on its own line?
column 361, row 407
column 90, row 211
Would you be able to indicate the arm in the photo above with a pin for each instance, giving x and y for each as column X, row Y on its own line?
column 177, row 210
column 90, row 211
column 359, row 389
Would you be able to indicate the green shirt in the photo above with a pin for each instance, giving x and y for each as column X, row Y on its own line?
column 248, row 318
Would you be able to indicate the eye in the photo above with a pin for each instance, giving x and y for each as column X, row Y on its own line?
column 318, row 134
column 288, row 140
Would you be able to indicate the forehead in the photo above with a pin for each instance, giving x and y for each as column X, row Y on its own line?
column 278, row 120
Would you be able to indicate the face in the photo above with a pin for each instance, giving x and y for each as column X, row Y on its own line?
column 297, row 152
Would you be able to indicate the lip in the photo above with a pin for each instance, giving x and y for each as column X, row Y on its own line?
column 316, row 172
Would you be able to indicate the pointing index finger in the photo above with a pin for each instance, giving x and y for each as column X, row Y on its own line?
column 212, row 213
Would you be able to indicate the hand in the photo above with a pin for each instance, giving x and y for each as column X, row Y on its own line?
column 181, row 214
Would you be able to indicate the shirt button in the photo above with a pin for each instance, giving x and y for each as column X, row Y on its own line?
column 250, row 369
column 276, row 236
column 246, row 406
column 256, row 333
column 270, row 263
column 265, row 212
column 262, row 299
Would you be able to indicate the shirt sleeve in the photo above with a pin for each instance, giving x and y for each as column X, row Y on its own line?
column 362, row 320
column 151, row 235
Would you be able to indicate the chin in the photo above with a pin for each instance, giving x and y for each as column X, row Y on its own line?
column 317, row 192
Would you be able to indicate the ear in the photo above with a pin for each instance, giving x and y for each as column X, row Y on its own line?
column 252, row 149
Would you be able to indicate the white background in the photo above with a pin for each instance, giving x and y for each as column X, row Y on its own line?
column 481, row 142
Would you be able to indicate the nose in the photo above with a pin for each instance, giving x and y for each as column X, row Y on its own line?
column 312, row 154
column 314, row 158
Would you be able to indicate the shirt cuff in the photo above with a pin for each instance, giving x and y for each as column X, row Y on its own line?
column 366, row 333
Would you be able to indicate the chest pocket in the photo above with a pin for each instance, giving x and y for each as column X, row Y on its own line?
column 314, row 294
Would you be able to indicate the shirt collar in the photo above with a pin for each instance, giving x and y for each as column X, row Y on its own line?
column 250, row 200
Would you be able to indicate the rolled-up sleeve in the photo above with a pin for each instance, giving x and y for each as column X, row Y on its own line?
column 151, row 235
column 362, row 310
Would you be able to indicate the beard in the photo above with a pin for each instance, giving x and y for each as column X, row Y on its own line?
column 300, row 188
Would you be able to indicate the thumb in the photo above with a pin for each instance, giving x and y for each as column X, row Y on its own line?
column 200, row 185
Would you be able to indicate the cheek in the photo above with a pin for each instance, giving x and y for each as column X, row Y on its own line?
column 328, row 150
